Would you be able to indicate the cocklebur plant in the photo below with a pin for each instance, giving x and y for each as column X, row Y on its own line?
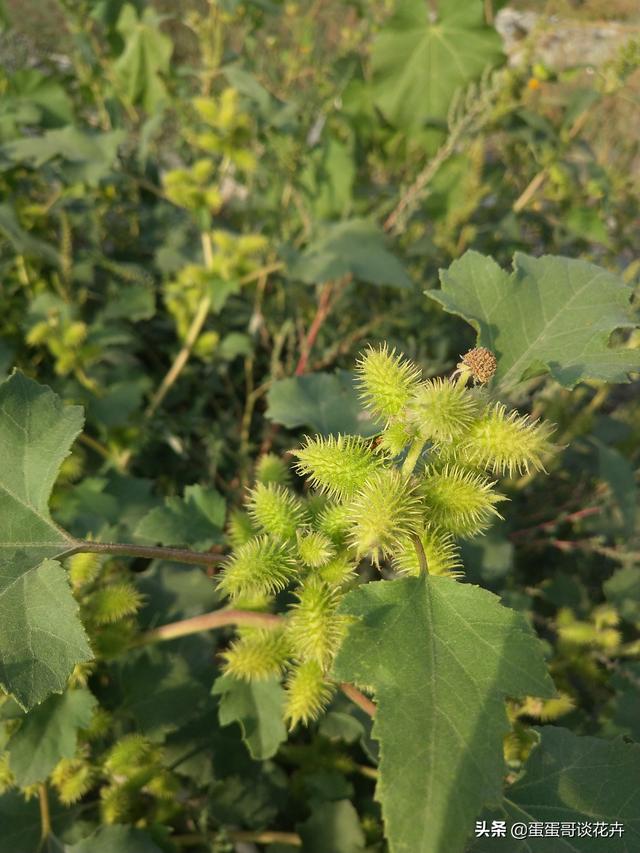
column 400, row 502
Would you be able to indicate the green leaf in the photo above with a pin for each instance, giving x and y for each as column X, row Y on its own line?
column 160, row 689
column 441, row 657
column 623, row 591
column 258, row 707
column 196, row 519
column 251, row 797
column 41, row 637
column 586, row 223
column 172, row 592
column 22, row 242
column 421, row 58
column 145, row 58
column 32, row 97
column 355, row 247
column 619, row 474
column 550, row 314
column 332, row 828
column 325, row 402
column 86, row 156
column 624, row 719
column 48, row 734
column 20, row 823
column 123, row 839
column 571, row 779
column 328, row 179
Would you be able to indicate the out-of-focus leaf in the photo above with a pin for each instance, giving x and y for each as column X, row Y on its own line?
column 33, row 98
column 47, row 734
column 619, row 474
column 355, row 247
column 325, row 402
column 20, row 822
column 86, row 156
column 328, row 179
column 424, row 54
column 252, row 798
column 145, row 59
column 586, row 223
column 162, row 689
column 333, row 827
column 196, row 519
column 573, row 779
column 623, row 591
column 116, row 839
column 22, row 241
column 258, row 708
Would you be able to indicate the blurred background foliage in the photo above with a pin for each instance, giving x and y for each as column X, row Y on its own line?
column 207, row 210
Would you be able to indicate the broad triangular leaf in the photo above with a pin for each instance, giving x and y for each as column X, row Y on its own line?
column 550, row 314
column 258, row 707
column 48, row 734
column 441, row 657
column 573, row 780
column 355, row 247
column 421, row 58
column 41, row 637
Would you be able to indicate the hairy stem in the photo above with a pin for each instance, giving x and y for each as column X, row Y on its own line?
column 358, row 698
column 413, row 454
column 217, row 619
column 117, row 549
column 422, row 557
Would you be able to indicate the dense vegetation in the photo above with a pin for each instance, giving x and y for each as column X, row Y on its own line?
column 280, row 565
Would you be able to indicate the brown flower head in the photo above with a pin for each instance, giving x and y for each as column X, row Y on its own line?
column 479, row 363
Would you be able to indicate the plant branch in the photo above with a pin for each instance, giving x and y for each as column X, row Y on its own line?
column 192, row 336
column 151, row 552
column 530, row 190
column 265, row 836
column 322, row 311
column 410, row 197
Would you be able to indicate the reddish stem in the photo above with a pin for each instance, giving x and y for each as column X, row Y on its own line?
column 554, row 522
column 316, row 324
column 217, row 619
column 358, row 698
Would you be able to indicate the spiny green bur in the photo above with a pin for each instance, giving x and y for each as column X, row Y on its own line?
column 399, row 502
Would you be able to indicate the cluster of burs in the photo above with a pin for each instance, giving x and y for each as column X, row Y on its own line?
column 398, row 500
